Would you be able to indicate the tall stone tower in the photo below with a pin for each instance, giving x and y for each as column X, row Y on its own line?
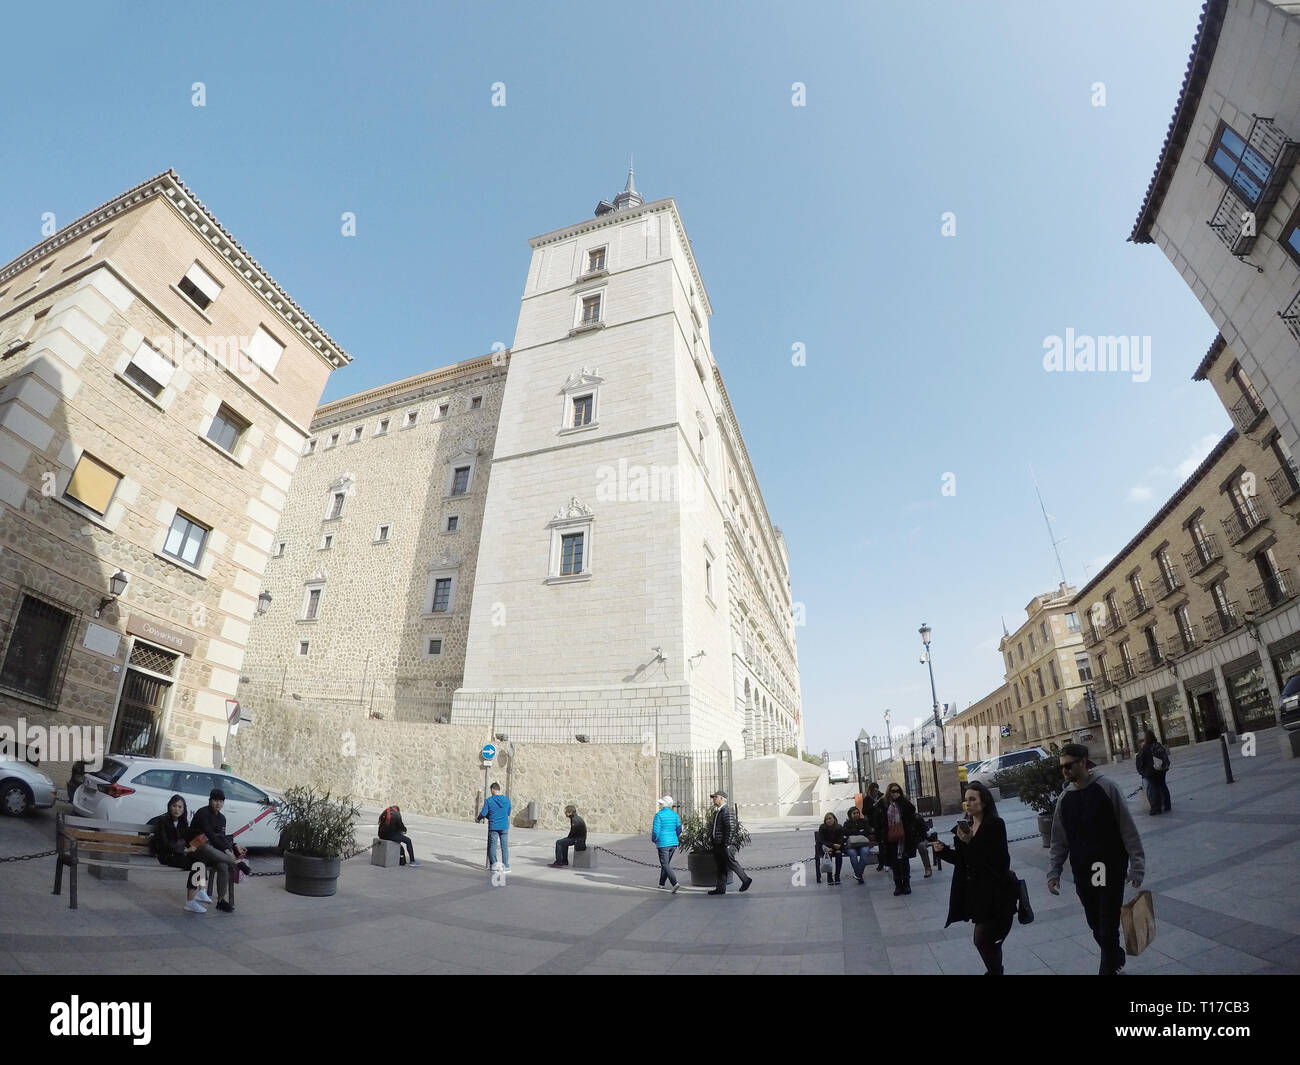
column 602, row 595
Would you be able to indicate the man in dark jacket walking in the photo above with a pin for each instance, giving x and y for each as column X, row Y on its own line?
column 723, row 834
column 1094, row 829
column 577, row 838
column 218, row 849
column 1152, row 765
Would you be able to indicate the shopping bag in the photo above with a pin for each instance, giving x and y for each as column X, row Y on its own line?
column 827, row 867
column 1138, row 920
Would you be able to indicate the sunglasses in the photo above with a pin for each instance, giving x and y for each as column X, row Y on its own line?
column 1069, row 765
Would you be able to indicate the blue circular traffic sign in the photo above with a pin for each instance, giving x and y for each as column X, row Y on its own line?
column 489, row 752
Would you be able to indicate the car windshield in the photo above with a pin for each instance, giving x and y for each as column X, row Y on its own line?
column 1292, row 686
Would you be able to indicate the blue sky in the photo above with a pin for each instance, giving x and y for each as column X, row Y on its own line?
column 818, row 225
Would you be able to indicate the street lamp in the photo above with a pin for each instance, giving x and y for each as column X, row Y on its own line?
column 116, row 586
column 925, row 639
column 263, row 603
column 889, row 738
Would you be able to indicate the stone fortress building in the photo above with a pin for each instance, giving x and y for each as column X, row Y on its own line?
column 565, row 535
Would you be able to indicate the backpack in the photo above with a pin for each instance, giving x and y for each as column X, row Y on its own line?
column 386, row 818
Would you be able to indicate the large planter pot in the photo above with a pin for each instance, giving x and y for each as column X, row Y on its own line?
column 704, row 870
column 315, row 877
column 1045, row 828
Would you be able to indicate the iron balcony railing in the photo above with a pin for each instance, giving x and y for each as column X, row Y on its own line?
column 1238, row 219
column 1114, row 622
column 1190, row 637
column 1291, row 316
column 1275, row 591
column 1170, row 581
column 1246, row 414
column 1285, row 484
column 1105, row 684
column 1238, row 525
column 1129, row 669
column 1152, row 658
column 1136, row 607
column 1205, row 552
column 1092, row 636
column 1221, row 622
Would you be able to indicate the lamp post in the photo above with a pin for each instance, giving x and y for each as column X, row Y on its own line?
column 925, row 639
column 889, row 739
column 116, row 587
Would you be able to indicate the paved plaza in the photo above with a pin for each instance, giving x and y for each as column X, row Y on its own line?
column 1222, row 868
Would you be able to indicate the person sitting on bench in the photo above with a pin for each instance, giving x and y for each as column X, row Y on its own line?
column 577, row 838
column 392, row 828
column 216, row 848
column 170, row 843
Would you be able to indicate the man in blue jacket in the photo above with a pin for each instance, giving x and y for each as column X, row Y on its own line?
column 664, row 834
column 497, row 811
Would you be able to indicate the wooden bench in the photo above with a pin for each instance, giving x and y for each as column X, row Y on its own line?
column 85, row 841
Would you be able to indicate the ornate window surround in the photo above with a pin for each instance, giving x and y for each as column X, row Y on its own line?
column 573, row 517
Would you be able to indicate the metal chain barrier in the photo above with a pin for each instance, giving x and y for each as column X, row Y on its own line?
column 27, row 857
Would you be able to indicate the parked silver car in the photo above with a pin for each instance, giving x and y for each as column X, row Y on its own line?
column 24, row 787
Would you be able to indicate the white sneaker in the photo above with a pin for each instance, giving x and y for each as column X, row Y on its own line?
column 193, row 906
column 202, row 896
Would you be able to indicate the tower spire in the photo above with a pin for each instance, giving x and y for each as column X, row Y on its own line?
column 629, row 197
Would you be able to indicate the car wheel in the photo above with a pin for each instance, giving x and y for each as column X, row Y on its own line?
column 15, row 799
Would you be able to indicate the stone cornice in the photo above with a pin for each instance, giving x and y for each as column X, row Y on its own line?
column 618, row 218
column 420, row 385
column 171, row 189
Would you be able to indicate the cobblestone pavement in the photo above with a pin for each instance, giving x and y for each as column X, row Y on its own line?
column 1222, row 867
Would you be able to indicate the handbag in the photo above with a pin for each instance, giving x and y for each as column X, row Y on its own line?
column 1138, row 920
column 1024, row 911
column 827, row 867
column 895, row 834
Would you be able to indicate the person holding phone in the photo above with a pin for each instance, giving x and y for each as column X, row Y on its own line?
column 896, row 823
column 981, row 881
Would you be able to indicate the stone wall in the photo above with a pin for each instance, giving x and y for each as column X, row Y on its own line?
column 434, row 769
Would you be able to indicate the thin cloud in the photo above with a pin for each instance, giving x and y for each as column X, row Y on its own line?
column 1139, row 493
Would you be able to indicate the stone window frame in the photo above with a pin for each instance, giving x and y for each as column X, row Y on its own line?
column 232, row 417
column 326, row 542
column 383, row 532
column 333, row 496
column 309, row 447
column 381, row 427
column 277, row 551
column 585, row 382
column 581, row 324
column 446, row 525
column 332, row 442
column 437, row 573
column 59, row 676
column 466, row 455
column 166, row 394
column 115, row 510
column 428, row 652
column 709, row 559
column 358, row 432
column 475, row 403
column 411, row 419
column 312, row 584
column 303, row 647
column 573, row 519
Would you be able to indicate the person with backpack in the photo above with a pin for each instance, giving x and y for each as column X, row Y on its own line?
column 392, row 828
column 1152, row 765
column 665, row 834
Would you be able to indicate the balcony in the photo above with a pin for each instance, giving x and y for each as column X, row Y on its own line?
column 1246, row 414
column 1114, row 622
column 1291, row 316
column 1092, row 636
column 1273, row 592
column 1285, row 484
column 1190, row 637
column 1105, row 684
column 1238, row 526
column 1206, row 552
column 1153, row 658
column 1269, row 146
column 1136, row 607
column 1220, row 623
column 1170, row 581
column 1129, row 670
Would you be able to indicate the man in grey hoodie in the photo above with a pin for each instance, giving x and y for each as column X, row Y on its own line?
column 1094, row 828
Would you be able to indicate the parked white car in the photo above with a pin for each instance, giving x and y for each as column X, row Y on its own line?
column 23, row 787
column 838, row 772
column 990, row 768
column 134, row 790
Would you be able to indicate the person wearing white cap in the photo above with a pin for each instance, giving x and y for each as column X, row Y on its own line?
column 664, row 834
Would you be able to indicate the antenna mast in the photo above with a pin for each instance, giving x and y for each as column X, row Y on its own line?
column 1050, row 534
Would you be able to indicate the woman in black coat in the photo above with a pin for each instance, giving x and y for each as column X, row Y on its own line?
column 870, row 811
column 982, row 884
column 171, row 845
column 896, row 817
column 832, row 839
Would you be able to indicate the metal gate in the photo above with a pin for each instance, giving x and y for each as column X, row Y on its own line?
column 139, row 715
column 690, row 777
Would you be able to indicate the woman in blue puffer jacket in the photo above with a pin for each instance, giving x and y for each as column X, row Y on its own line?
column 665, row 835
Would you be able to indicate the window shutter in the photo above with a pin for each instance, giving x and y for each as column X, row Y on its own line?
column 204, row 281
column 153, row 364
column 265, row 350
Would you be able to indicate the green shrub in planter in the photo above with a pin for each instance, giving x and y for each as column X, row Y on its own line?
column 1038, row 784
column 694, row 837
column 317, row 833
